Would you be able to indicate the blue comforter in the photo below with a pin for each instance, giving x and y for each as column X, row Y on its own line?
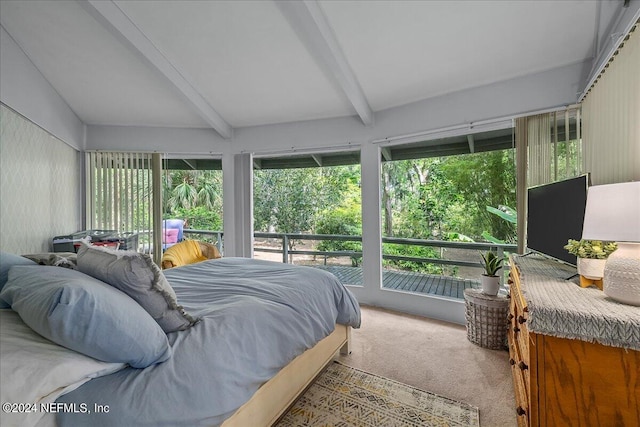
column 257, row 316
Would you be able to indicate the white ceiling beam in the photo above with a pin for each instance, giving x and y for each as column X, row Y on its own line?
column 471, row 142
column 311, row 25
column 118, row 23
column 257, row 163
column 386, row 153
column 317, row 158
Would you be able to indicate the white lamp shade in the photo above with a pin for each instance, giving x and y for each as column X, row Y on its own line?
column 613, row 213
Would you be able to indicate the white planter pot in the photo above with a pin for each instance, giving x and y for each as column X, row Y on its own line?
column 591, row 268
column 490, row 284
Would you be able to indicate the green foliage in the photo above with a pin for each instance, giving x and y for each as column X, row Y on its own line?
column 194, row 196
column 411, row 251
column 434, row 197
column 458, row 237
column 341, row 221
column 491, row 263
column 198, row 218
column 293, row 200
column 460, row 198
column 594, row 249
column 504, row 212
column 286, row 199
column 481, row 180
column 346, row 220
column 489, row 238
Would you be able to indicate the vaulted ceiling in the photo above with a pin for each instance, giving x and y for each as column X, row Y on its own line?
column 233, row 64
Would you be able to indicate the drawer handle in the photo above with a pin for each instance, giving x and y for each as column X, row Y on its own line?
column 522, row 366
column 526, row 309
column 512, row 362
column 516, row 329
column 521, row 319
column 510, row 281
column 510, row 317
column 520, row 411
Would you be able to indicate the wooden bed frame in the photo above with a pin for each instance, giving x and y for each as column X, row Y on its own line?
column 275, row 396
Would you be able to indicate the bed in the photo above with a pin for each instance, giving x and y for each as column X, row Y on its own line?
column 252, row 336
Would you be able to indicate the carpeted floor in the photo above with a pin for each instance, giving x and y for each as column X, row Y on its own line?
column 437, row 357
column 348, row 397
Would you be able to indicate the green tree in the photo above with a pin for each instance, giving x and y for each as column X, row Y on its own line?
column 483, row 179
column 195, row 196
column 285, row 200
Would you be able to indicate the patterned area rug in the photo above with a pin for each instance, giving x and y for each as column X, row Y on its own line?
column 342, row 396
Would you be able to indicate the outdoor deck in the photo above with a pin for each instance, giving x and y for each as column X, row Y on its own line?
column 407, row 281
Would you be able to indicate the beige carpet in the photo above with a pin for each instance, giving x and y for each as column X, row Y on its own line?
column 348, row 397
column 435, row 356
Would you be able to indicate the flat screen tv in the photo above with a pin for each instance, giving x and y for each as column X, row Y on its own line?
column 555, row 214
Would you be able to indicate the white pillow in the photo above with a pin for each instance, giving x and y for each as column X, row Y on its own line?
column 34, row 370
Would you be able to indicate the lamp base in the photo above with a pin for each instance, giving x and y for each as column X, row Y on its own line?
column 622, row 274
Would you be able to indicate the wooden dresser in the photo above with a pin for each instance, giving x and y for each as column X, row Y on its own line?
column 562, row 375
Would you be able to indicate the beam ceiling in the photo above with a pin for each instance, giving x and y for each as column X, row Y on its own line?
column 118, row 23
column 311, row 26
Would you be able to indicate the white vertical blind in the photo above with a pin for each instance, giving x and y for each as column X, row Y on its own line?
column 540, row 148
column 121, row 193
column 554, row 146
column 611, row 118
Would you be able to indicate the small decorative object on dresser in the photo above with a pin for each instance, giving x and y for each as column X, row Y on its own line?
column 490, row 281
column 592, row 256
column 613, row 213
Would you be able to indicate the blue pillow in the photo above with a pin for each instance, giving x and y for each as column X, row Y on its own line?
column 6, row 262
column 86, row 315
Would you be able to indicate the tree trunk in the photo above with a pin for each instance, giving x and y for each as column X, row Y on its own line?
column 386, row 203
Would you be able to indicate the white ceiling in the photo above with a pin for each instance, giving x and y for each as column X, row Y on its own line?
column 230, row 64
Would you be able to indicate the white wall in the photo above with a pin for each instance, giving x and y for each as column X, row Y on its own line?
column 39, row 177
column 25, row 90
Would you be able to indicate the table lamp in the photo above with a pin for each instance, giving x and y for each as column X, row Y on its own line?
column 613, row 214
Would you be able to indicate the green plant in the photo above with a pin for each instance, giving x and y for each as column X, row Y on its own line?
column 594, row 249
column 491, row 263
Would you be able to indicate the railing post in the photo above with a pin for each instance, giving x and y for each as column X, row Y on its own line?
column 219, row 241
column 501, row 257
column 285, row 249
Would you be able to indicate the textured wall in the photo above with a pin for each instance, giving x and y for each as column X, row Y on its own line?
column 40, row 186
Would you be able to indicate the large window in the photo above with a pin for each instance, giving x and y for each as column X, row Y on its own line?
column 442, row 205
column 194, row 196
column 310, row 216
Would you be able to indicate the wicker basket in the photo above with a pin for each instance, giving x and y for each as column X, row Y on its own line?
column 486, row 317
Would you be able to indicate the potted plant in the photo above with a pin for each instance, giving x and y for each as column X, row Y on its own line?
column 490, row 281
column 592, row 256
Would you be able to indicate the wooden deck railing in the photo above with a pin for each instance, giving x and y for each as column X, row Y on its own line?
column 286, row 252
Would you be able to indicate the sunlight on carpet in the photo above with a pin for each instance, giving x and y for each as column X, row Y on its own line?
column 342, row 396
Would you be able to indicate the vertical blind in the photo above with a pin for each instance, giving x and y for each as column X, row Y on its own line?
column 121, row 195
column 554, row 146
column 611, row 112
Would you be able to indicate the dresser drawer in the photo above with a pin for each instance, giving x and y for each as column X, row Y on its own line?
column 520, row 386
